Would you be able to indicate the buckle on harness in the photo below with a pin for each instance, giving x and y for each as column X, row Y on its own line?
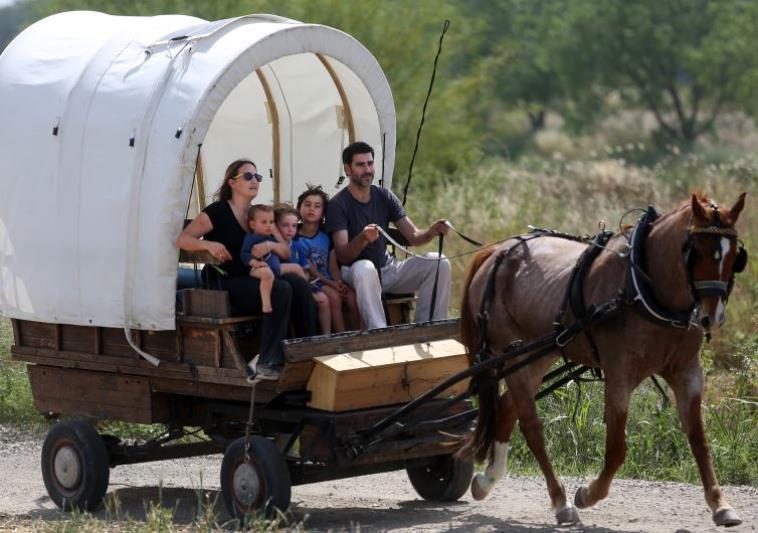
column 564, row 337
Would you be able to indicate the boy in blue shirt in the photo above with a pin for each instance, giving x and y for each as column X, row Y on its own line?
column 311, row 205
column 287, row 219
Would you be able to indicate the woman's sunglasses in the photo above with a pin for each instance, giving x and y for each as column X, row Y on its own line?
column 249, row 176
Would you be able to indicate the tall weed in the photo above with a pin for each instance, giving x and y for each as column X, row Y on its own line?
column 16, row 403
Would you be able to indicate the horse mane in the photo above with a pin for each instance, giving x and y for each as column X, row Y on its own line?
column 684, row 211
column 701, row 196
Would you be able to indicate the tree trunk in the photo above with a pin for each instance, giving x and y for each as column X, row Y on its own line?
column 537, row 120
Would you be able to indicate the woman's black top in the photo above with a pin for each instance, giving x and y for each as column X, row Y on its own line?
column 227, row 231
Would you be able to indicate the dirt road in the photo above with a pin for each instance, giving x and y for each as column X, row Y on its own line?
column 379, row 502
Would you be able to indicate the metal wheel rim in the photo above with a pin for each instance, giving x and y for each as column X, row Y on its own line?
column 246, row 486
column 67, row 467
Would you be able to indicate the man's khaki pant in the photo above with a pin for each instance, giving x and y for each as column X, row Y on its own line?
column 409, row 275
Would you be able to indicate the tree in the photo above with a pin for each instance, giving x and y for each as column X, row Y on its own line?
column 685, row 60
column 12, row 18
column 512, row 46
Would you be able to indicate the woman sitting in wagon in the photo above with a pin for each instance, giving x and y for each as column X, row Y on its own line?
column 220, row 230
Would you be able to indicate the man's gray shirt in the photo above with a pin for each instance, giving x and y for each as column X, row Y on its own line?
column 344, row 212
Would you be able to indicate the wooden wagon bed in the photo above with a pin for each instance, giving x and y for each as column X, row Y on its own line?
column 93, row 371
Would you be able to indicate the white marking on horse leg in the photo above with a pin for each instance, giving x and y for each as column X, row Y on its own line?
column 567, row 514
column 494, row 471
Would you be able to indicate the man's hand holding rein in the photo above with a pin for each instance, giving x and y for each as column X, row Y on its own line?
column 370, row 233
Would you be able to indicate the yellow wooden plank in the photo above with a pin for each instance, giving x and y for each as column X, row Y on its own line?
column 392, row 355
column 434, row 371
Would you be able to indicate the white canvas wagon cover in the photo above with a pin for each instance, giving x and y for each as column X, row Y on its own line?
column 103, row 120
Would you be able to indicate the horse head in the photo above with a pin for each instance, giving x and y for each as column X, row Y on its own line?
column 713, row 254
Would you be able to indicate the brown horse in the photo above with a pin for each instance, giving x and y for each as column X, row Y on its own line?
column 687, row 258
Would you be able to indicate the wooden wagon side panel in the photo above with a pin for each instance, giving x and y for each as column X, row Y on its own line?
column 36, row 334
column 98, row 394
column 77, row 339
column 208, row 343
column 202, row 345
column 114, row 343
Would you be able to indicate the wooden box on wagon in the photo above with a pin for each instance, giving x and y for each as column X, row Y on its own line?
column 384, row 376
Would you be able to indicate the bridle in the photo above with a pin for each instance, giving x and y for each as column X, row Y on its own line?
column 640, row 287
column 718, row 287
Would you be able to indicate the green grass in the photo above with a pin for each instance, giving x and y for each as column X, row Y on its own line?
column 656, row 445
column 16, row 404
column 159, row 518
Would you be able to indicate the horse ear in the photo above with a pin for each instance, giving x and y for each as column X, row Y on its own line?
column 698, row 210
column 736, row 209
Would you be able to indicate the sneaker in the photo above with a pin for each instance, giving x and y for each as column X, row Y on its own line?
column 266, row 372
column 250, row 369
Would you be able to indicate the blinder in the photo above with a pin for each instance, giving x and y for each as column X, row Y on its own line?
column 740, row 261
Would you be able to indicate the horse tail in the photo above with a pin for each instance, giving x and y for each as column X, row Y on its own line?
column 482, row 441
column 469, row 328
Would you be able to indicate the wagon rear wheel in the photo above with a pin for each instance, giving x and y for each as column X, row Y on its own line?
column 75, row 466
column 261, row 485
column 445, row 479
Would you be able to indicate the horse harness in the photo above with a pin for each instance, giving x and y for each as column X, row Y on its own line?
column 637, row 294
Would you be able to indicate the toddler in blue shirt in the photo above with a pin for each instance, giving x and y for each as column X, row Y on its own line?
column 269, row 265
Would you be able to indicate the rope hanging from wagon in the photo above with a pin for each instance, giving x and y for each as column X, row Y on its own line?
column 445, row 27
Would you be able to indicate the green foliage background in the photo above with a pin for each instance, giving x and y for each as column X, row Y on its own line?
column 556, row 113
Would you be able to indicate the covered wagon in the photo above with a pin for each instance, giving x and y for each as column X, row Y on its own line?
column 115, row 131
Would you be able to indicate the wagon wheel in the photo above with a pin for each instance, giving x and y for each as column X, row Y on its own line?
column 261, row 485
column 75, row 466
column 445, row 479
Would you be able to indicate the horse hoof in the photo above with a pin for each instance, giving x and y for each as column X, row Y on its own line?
column 476, row 490
column 567, row 515
column 726, row 517
column 580, row 498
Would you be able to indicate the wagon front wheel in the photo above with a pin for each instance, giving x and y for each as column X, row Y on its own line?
column 259, row 485
column 75, row 466
column 445, row 479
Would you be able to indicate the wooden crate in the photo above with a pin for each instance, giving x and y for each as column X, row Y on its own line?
column 385, row 376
